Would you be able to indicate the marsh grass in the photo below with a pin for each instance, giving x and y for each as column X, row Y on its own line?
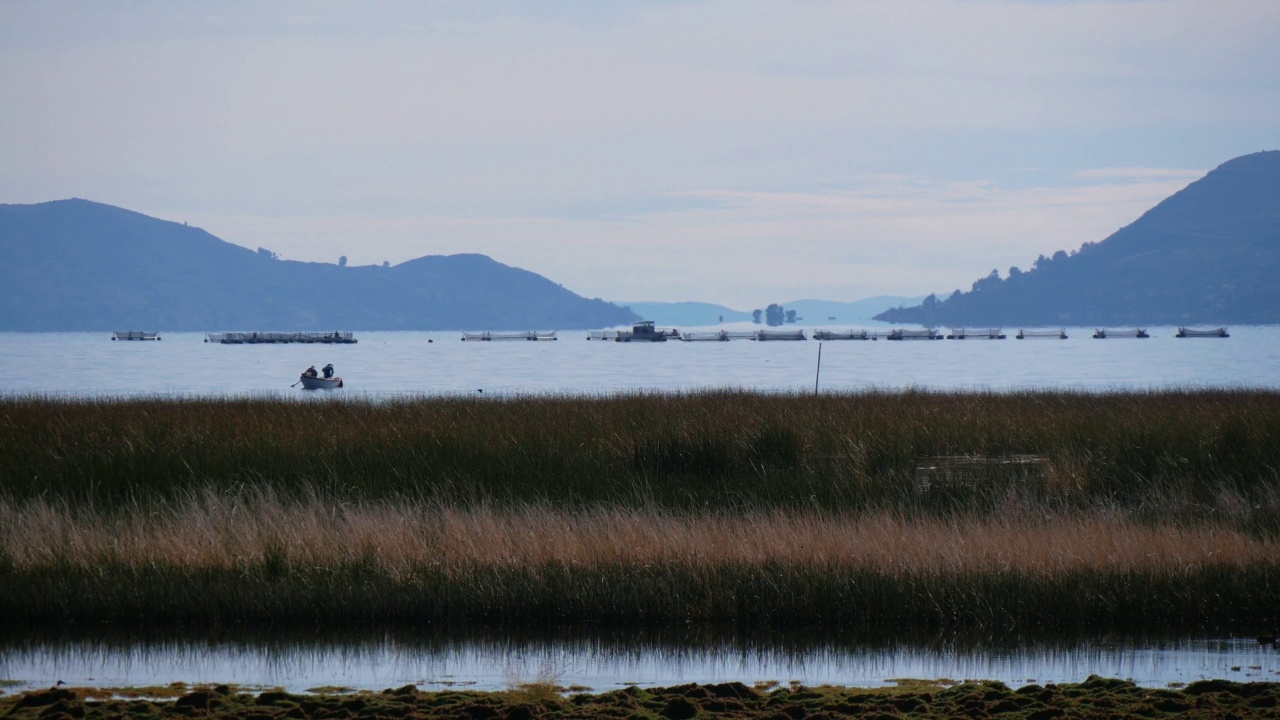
column 1131, row 511
column 1193, row 455
column 257, row 530
column 262, row 560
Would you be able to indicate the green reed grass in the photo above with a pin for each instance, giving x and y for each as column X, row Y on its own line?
column 1184, row 455
column 1230, row 599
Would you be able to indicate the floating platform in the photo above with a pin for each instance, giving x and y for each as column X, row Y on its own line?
column 705, row 336
column 843, row 335
column 1211, row 333
column 901, row 334
column 964, row 334
column 1102, row 334
column 720, row 335
column 268, row 338
column 532, row 335
column 643, row 331
column 1053, row 334
column 134, row 335
column 780, row 335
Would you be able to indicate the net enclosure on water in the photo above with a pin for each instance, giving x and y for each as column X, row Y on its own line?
column 255, row 337
column 1218, row 332
column 510, row 335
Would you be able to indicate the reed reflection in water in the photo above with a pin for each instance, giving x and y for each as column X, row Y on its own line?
column 600, row 662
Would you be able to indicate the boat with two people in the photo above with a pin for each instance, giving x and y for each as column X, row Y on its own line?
column 323, row 380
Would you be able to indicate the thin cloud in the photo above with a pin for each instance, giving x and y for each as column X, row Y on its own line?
column 706, row 149
column 905, row 235
column 1123, row 173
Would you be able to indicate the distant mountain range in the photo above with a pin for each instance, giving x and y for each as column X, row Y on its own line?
column 80, row 265
column 808, row 311
column 1210, row 253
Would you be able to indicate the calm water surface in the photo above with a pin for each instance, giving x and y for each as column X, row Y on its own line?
column 391, row 363
column 602, row 664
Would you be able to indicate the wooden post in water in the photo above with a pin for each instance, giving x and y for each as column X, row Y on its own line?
column 819, row 372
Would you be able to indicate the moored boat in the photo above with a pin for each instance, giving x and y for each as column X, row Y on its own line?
column 644, row 331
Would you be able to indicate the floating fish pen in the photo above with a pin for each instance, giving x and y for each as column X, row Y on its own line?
column 988, row 334
column 705, row 336
column 515, row 335
column 259, row 338
column 901, row 334
column 780, row 335
column 644, row 331
column 603, row 334
column 1210, row 333
column 1052, row 334
column 843, row 335
column 1102, row 334
column 134, row 335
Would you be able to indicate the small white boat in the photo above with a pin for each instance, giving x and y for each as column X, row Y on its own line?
column 319, row 383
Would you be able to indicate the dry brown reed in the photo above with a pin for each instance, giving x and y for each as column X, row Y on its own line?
column 213, row 531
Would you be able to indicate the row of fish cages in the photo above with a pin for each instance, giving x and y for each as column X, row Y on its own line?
column 647, row 332
column 527, row 335
column 665, row 334
column 999, row 334
column 275, row 338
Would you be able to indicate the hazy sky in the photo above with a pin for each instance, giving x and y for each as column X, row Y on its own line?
column 729, row 151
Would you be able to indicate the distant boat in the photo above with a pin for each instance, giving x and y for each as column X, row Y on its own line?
column 134, row 335
column 319, row 383
column 644, row 331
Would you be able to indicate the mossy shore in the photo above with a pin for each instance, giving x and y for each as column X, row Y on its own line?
column 1094, row 698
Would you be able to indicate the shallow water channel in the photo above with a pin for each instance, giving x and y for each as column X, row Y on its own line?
column 601, row 662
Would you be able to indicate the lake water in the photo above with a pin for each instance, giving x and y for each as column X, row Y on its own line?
column 393, row 363
column 603, row 663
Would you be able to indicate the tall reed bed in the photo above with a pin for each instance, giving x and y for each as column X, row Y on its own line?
column 256, row 558
column 222, row 532
column 1165, row 456
column 1049, row 509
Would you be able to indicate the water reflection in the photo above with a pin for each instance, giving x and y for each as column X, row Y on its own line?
column 604, row 660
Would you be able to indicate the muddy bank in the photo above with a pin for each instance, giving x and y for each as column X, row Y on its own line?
column 1094, row 698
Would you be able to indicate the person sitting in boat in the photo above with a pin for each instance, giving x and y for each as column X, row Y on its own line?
column 327, row 370
column 310, row 372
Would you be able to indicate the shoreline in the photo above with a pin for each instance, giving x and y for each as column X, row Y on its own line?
column 1095, row 696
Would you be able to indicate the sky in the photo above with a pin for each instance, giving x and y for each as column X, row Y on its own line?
column 738, row 152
